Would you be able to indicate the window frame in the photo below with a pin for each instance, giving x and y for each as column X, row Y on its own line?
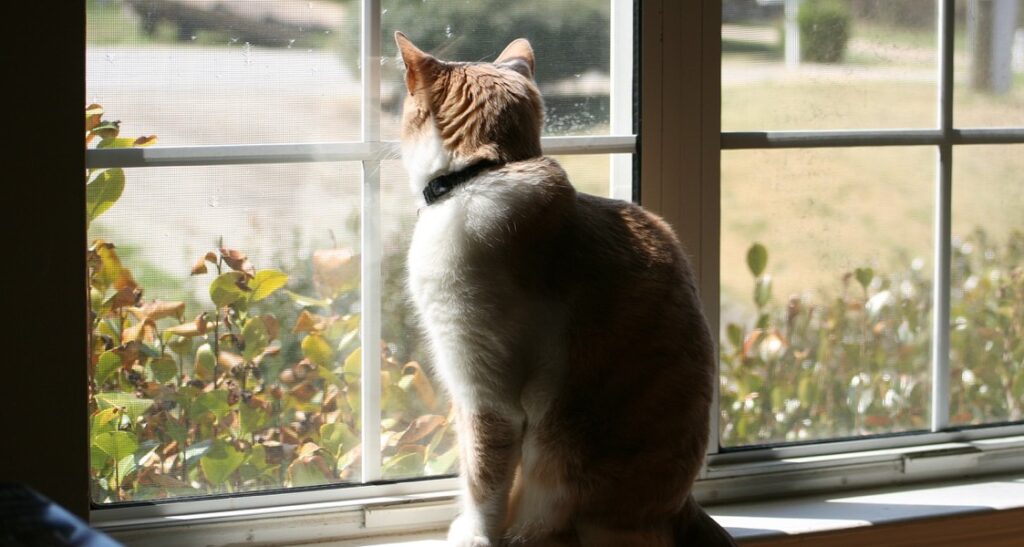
column 678, row 146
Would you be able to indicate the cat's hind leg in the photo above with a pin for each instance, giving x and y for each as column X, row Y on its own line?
column 489, row 442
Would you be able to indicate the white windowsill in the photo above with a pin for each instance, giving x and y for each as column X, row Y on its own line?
column 790, row 516
column 823, row 512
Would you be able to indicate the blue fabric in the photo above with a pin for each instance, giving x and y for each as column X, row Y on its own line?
column 27, row 519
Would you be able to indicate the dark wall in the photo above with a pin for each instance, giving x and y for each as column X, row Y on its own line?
column 43, row 433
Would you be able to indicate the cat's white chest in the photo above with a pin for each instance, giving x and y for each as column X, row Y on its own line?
column 439, row 245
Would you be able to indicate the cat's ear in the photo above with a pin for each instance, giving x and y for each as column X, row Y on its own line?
column 518, row 56
column 420, row 67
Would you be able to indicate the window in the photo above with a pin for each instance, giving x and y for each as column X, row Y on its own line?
column 870, row 165
column 250, row 326
column 832, row 184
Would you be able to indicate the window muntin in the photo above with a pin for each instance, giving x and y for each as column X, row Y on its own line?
column 346, row 272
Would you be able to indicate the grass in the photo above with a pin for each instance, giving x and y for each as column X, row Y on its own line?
column 824, row 212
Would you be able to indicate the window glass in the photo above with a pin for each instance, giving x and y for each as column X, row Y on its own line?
column 989, row 62
column 826, row 293
column 207, row 72
column 225, row 301
column 828, row 64
column 224, row 316
column 570, row 38
column 987, row 292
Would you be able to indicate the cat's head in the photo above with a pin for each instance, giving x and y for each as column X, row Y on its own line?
column 457, row 114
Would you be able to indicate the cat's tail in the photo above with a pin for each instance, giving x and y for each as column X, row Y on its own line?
column 695, row 528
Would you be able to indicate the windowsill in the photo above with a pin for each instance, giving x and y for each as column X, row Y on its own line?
column 783, row 518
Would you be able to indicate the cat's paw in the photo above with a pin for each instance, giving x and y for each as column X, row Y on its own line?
column 465, row 531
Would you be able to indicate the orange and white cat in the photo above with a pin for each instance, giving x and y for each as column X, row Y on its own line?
column 566, row 327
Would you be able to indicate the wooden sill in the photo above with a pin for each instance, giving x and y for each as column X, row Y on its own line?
column 996, row 528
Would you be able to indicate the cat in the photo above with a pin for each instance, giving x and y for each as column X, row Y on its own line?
column 565, row 327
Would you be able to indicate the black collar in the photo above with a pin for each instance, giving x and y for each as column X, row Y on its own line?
column 438, row 187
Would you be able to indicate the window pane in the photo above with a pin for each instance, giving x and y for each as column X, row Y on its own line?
column 232, row 373
column 834, row 64
column 419, row 438
column 204, row 72
column 990, row 63
column 987, row 293
column 826, row 293
column 571, row 40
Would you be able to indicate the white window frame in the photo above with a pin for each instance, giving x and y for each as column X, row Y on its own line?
column 679, row 147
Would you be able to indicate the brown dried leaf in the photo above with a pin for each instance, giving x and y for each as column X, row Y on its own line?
column 163, row 481
column 129, row 353
column 158, row 309
column 273, row 326
column 752, row 338
column 111, row 272
column 143, row 331
column 93, row 115
column 304, row 391
column 199, row 267
column 420, row 428
column 123, row 297
column 334, row 271
column 145, row 140
column 421, row 383
column 311, row 322
column 229, row 360
column 238, row 261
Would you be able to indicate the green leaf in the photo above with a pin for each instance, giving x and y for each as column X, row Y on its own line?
column 104, row 421
column 164, row 369
column 864, row 276
column 317, row 350
column 116, row 444
column 205, row 365
column 265, row 283
column 757, row 259
column 307, row 473
column 735, row 334
column 337, row 438
column 117, row 142
column 196, row 451
column 252, row 418
column 353, row 364
column 762, row 290
column 126, row 466
column 256, row 337
column 220, row 461
column 403, row 465
column 443, row 464
column 225, row 290
column 176, row 431
column 215, row 402
column 132, row 406
column 108, row 363
column 308, row 301
column 102, row 192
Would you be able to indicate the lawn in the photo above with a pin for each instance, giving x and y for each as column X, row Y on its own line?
column 823, row 212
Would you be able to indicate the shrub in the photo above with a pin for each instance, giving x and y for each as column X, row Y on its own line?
column 824, row 30
column 260, row 390
column 856, row 361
